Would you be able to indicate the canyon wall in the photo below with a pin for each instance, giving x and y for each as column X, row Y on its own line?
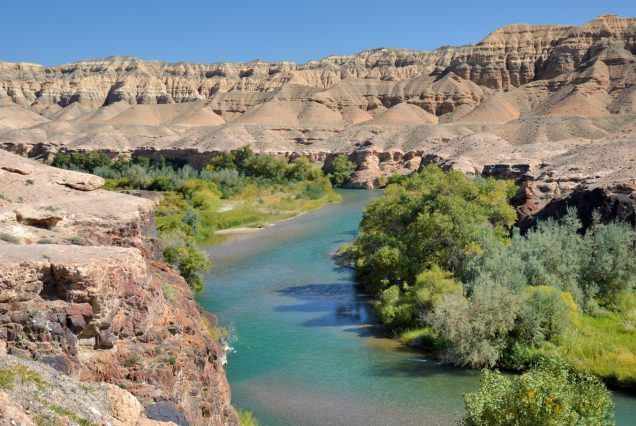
column 555, row 99
column 82, row 292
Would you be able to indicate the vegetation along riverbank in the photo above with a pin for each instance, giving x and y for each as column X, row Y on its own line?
column 237, row 189
column 451, row 274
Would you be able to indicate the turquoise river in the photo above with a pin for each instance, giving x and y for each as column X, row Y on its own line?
column 306, row 351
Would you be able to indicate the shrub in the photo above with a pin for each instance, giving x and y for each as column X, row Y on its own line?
column 9, row 238
column 548, row 394
column 247, row 418
column 475, row 330
column 266, row 166
column 299, row 170
column 431, row 286
column 609, row 269
column 180, row 251
column 133, row 360
column 192, row 219
column 545, row 315
column 597, row 267
column 313, row 191
column 395, row 310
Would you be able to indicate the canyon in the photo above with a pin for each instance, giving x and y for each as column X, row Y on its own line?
column 83, row 289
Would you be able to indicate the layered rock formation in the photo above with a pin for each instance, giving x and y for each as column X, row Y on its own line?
column 531, row 95
column 81, row 291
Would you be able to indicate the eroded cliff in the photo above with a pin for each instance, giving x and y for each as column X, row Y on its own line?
column 81, row 291
column 548, row 97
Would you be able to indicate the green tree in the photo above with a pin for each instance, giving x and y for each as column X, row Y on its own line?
column 549, row 394
column 266, row 166
column 225, row 161
column 431, row 218
column 299, row 169
column 342, row 169
column 243, row 156
column 82, row 161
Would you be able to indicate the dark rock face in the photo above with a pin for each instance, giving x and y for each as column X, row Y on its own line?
column 610, row 205
column 506, row 171
column 167, row 411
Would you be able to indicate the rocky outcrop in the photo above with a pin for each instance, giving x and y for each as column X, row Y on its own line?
column 91, row 403
column 80, row 291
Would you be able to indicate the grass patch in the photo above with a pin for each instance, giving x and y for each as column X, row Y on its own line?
column 171, row 359
column 9, row 238
column 47, row 420
column 7, row 377
column 132, row 360
column 170, row 294
column 603, row 345
column 258, row 207
column 216, row 333
column 423, row 337
column 247, row 418
column 27, row 375
column 71, row 415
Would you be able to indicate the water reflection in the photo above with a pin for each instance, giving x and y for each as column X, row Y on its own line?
column 341, row 303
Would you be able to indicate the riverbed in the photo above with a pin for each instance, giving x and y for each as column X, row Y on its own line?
column 306, row 350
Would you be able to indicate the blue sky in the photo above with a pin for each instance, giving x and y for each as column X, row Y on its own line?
column 55, row 32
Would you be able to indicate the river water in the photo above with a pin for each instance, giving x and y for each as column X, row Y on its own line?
column 306, row 351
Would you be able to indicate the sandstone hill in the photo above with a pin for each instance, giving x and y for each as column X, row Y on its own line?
column 82, row 292
column 545, row 99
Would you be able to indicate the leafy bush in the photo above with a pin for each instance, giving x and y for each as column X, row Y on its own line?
column 545, row 315
column 475, row 330
column 548, row 394
column 342, row 169
column 609, row 269
column 181, row 252
column 431, row 286
column 597, row 267
column 313, row 190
